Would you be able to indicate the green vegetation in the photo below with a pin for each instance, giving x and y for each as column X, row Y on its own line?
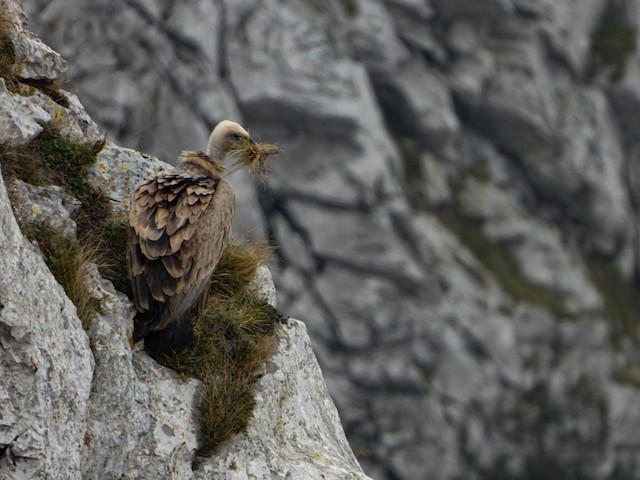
column 351, row 8
column 67, row 260
column 52, row 160
column 612, row 42
column 621, row 297
column 110, row 239
column 500, row 263
column 628, row 375
column 235, row 335
column 7, row 53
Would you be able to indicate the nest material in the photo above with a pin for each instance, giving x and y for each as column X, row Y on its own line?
column 253, row 156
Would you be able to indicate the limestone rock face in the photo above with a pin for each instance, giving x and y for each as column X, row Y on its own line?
column 33, row 59
column 48, row 205
column 118, row 170
column 454, row 207
column 141, row 417
column 305, row 437
column 21, row 120
column 46, row 363
column 87, row 404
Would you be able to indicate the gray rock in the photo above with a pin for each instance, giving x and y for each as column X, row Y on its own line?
column 141, row 417
column 373, row 39
column 178, row 125
column 118, row 413
column 413, row 24
column 20, row 120
column 22, row 117
column 569, row 30
column 46, row 363
column 118, row 170
column 587, row 173
column 37, row 61
column 538, row 248
column 420, row 101
column 419, row 8
column 437, row 188
column 48, row 205
column 264, row 285
column 480, row 10
column 430, row 361
column 69, row 120
column 624, row 92
column 468, row 75
column 626, row 420
column 516, row 108
column 305, row 437
column 463, row 38
column 33, row 59
column 625, row 96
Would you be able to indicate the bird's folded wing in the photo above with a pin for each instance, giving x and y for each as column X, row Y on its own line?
column 163, row 219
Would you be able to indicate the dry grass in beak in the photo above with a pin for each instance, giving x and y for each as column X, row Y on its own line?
column 253, row 157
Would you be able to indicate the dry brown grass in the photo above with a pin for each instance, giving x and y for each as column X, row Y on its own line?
column 235, row 334
column 254, row 157
column 234, row 337
column 52, row 160
column 67, row 260
column 7, row 53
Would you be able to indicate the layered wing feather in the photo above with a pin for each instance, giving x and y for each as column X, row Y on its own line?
column 179, row 225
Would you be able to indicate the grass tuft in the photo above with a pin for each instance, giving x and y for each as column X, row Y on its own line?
column 235, row 335
column 7, row 53
column 612, row 43
column 109, row 237
column 53, row 160
column 67, row 260
column 621, row 297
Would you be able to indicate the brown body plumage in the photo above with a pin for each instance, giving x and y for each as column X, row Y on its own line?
column 180, row 221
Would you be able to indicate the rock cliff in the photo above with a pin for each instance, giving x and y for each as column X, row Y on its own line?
column 455, row 207
column 82, row 402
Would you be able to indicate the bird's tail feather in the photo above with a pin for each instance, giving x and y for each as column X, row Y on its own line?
column 175, row 336
column 141, row 326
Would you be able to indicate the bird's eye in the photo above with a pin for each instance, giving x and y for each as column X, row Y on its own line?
column 236, row 137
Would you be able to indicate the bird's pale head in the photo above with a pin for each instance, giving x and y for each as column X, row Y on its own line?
column 230, row 140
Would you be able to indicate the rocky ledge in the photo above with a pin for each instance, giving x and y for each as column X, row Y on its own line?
column 82, row 402
column 455, row 205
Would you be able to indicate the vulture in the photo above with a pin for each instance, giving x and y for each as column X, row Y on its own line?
column 179, row 224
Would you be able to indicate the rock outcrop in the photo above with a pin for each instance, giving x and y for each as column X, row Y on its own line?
column 86, row 404
column 46, row 364
column 455, row 205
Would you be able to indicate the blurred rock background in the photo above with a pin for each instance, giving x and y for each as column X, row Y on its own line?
column 454, row 207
